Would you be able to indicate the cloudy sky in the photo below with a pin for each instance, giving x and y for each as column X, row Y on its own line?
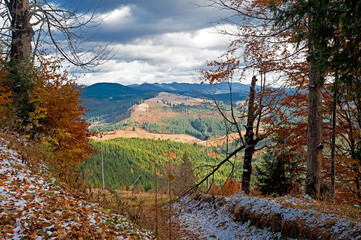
column 154, row 40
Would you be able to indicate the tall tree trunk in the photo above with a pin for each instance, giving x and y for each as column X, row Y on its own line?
column 20, row 53
column 315, row 146
column 333, row 148
column 249, row 140
column 22, row 32
column 333, row 140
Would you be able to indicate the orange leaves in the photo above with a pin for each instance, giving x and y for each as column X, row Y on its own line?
column 59, row 114
column 171, row 155
column 213, row 154
column 5, row 95
column 230, row 187
column 220, row 71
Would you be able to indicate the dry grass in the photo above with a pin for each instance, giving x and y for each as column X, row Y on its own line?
column 141, row 133
column 140, row 208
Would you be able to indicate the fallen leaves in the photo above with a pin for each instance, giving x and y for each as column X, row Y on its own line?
column 32, row 206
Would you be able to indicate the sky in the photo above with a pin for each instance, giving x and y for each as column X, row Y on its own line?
column 152, row 40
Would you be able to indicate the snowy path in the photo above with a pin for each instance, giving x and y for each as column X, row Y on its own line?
column 214, row 217
column 213, row 221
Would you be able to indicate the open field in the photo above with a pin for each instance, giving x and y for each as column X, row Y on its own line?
column 141, row 133
column 185, row 138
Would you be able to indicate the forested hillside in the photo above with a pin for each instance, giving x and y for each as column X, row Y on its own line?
column 127, row 159
column 289, row 163
column 113, row 106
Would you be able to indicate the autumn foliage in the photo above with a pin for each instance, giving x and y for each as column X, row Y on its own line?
column 59, row 116
column 5, row 97
column 270, row 40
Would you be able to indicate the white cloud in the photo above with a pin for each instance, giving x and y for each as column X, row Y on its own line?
column 118, row 18
column 165, row 57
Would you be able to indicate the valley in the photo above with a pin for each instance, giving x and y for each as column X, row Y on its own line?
column 169, row 116
column 161, row 113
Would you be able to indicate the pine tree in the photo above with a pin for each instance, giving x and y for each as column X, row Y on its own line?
column 184, row 175
column 276, row 173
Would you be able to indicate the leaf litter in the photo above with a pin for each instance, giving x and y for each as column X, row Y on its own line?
column 219, row 217
column 34, row 207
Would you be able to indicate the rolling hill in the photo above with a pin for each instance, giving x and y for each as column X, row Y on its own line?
column 173, row 108
column 110, row 91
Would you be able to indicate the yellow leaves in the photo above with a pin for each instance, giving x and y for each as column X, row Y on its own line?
column 38, row 114
column 171, row 177
column 1, row 183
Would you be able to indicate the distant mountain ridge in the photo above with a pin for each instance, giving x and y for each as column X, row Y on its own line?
column 191, row 87
column 116, row 91
column 102, row 91
column 109, row 102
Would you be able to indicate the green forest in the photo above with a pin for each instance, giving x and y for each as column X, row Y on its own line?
column 198, row 121
column 127, row 159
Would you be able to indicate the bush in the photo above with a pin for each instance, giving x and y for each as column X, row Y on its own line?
column 230, row 187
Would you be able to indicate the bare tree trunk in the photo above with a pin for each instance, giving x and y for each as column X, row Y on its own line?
column 22, row 32
column 315, row 146
column 333, row 148
column 333, row 140
column 20, row 53
column 249, row 140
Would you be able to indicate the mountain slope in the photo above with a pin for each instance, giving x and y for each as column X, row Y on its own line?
column 191, row 87
column 35, row 207
column 102, row 91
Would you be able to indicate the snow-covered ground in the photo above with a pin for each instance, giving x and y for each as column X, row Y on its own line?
column 212, row 220
column 217, row 217
column 37, row 208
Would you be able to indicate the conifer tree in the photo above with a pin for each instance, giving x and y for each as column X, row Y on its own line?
column 276, row 173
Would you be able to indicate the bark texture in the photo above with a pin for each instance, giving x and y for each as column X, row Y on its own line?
column 20, row 54
column 315, row 146
column 22, row 32
column 250, row 142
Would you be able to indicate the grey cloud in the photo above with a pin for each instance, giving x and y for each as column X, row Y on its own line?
column 156, row 41
column 150, row 17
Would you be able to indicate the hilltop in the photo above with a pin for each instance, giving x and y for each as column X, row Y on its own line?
column 111, row 103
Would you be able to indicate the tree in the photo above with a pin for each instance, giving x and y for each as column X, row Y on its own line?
column 330, row 30
column 277, row 173
column 20, row 52
column 348, row 146
column 59, row 116
column 263, row 49
column 184, row 175
column 20, row 17
column 278, row 37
